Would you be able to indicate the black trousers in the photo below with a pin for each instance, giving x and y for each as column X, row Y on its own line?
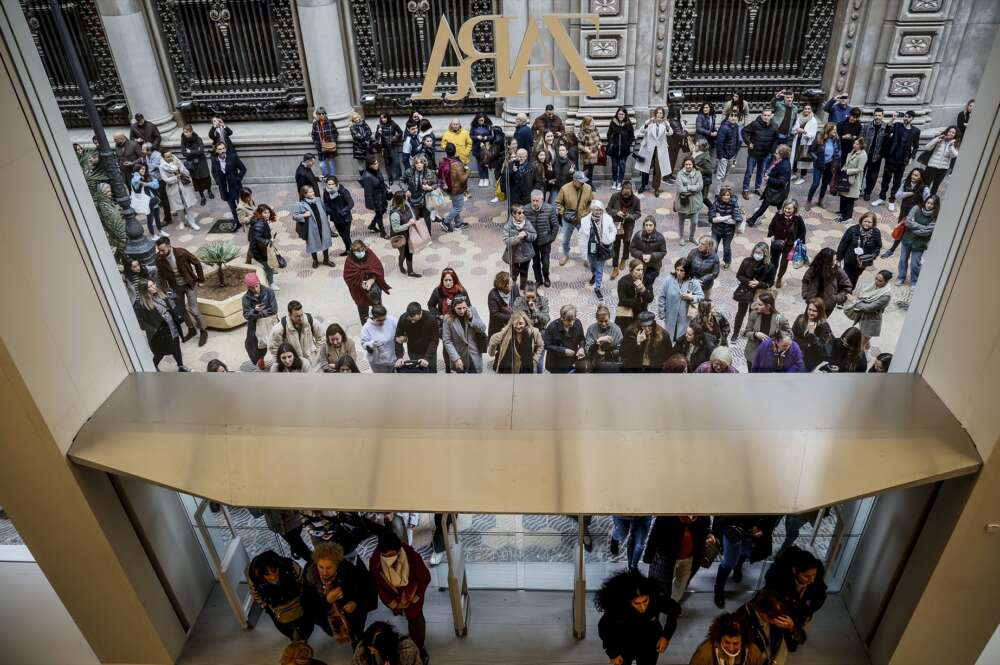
column 935, row 177
column 892, row 178
column 300, row 629
column 872, row 169
column 175, row 351
column 853, row 270
column 344, row 231
column 780, row 259
column 650, row 276
column 438, row 540
column 298, row 546
column 846, row 207
column 741, row 311
column 254, row 353
column 540, row 261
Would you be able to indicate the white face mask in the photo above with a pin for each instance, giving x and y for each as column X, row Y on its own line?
column 359, row 255
column 731, row 655
column 758, row 256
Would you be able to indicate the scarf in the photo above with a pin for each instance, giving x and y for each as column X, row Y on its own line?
column 447, row 295
column 870, row 293
column 398, row 574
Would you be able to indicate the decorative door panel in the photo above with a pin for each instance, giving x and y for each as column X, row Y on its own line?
column 92, row 48
column 237, row 58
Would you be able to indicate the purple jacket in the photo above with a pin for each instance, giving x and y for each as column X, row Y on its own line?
column 764, row 361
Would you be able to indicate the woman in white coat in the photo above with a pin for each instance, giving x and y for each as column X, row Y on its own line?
column 805, row 129
column 654, row 159
column 180, row 189
column 680, row 291
column 597, row 233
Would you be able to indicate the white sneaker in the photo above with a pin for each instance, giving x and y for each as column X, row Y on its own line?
column 892, row 206
column 495, row 200
column 163, row 233
column 799, row 181
column 275, row 287
column 877, row 202
column 195, row 226
column 181, row 226
column 156, row 236
column 436, row 558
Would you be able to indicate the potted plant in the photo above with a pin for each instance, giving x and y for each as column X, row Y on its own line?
column 221, row 300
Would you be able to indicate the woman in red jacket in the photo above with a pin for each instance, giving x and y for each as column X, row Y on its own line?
column 401, row 579
column 362, row 272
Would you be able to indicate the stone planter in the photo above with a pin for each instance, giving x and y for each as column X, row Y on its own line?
column 228, row 313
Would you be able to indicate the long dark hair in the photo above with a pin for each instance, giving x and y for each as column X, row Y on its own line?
column 296, row 360
column 825, row 262
column 618, row 591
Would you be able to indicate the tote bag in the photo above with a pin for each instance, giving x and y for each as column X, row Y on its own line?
column 139, row 201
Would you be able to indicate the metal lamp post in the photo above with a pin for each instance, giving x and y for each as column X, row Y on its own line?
column 138, row 246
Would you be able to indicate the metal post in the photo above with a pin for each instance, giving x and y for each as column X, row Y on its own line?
column 458, row 583
column 820, row 514
column 138, row 245
column 579, row 584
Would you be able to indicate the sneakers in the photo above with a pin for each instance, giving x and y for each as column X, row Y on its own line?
column 182, row 368
column 900, row 282
column 887, row 254
column 203, row 338
column 745, row 195
column 194, row 225
column 799, row 181
column 163, row 233
column 892, row 206
column 495, row 200
column 436, row 558
column 156, row 236
column 597, row 292
column 563, row 260
column 593, row 278
column 180, row 225
column 877, row 202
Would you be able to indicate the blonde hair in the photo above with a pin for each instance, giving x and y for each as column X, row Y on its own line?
column 297, row 653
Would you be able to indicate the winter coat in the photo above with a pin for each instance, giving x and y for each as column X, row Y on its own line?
column 376, row 191
column 833, row 289
column 529, row 349
column 942, row 152
column 755, row 324
column 317, row 229
column 545, row 123
column 664, row 541
column 288, row 590
column 353, row 580
column 654, row 139
column 764, row 360
column 590, row 145
column 223, row 135
column 266, row 298
column 304, row 340
column 696, row 354
column 323, row 131
column 751, row 269
column 818, row 153
column 901, row 144
column 576, row 201
column 705, row 164
column 727, row 143
column 780, row 109
column 460, row 340
column 760, row 138
column 633, row 352
column 339, row 209
column 522, row 249
column 462, row 141
column 816, row 345
column 835, row 111
column 762, row 546
column 147, row 132
column 538, row 315
column 388, row 137
column 415, row 180
column 854, row 167
column 868, row 316
column 804, row 141
column 231, row 182
column 870, row 243
column 544, row 221
column 604, row 228
column 674, row 311
column 188, row 266
column 704, row 268
column 520, row 180
column 705, row 655
column 327, row 356
column 524, row 137
column 655, row 245
column 305, row 176
column 688, row 183
column 732, row 213
column 785, row 231
column 624, row 223
column 620, row 139
column 128, row 155
column 557, row 340
column 919, row 227
column 160, row 332
column 361, row 139
column 704, row 125
column 193, row 151
column 780, row 578
column 181, row 195
column 779, row 178
column 501, row 307
column 482, row 137
column 875, row 138
column 628, row 634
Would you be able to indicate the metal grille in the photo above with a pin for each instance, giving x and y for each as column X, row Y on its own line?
column 238, row 58
column 393, row 39
column 751, row 46
column 91, row 45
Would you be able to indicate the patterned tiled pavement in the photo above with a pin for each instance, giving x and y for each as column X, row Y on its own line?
column 475, row 253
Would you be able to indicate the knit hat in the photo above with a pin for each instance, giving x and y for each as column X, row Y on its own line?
column 646, row 318
column 251, row 279
column 723, row 355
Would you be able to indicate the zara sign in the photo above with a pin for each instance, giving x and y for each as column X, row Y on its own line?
column 508, row 78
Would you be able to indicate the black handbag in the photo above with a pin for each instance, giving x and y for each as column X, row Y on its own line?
column 843, row 182
column 775, row 196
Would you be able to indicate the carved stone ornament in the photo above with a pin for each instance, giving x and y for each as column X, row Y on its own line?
column 904, row 86
column 926, row 6
column 603, row 48
column 605, row 7
column 606, row 88
column 915, row 44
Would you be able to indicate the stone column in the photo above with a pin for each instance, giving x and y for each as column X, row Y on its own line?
column 326, row 58
column 520, row 11
column 135, row 57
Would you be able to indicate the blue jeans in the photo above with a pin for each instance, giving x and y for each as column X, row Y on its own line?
column 914, row 258
column 618, row 169
column 821, row 180
column 638, row 528
column 455, row 216
column 567, row 230
column 326, row 166
column 484, row 170
column 550, row 198
column 733, row 550
column 724, row 240
column 596, row 267
column 754, row 163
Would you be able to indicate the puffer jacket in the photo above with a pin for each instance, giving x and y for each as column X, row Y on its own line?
column 731, row 210
column 361, row 139
column 727, row 142
column 545, row 221
column 919, row 227
column 760, row 138
column 654, row 244
column 705, row 268
column 521, row 249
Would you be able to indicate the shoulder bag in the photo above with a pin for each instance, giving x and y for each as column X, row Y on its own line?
column 899, row 230
column 139, row 202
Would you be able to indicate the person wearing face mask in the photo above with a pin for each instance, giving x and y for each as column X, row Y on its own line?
column 630, row 628
column 365, row 278
column 728, row 643
column 311, row 226
column 646, row 346
column 335, row 345
column 649, row 246
column 860, row 246
column 339, row 593
column 339, row 206
column 401, row 579
column 625, row 209
column 463, row 334
column 798, row 579
column 378, row 340
column 754, row 275
column 276, row 584
column 382, row 645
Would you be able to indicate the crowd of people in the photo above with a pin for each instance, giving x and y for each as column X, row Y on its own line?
column 542, row 174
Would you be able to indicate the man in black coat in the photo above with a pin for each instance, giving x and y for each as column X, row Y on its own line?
column 543, row 217
column 897, row 150
column 761, row 138
column 339, row 205
column 305, row 176
column 228, row 171
column 418, row 330
column 144, row 132
column 520, row 179
column 674, row 549
column 376, row 193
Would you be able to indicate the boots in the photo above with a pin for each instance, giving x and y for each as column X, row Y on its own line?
column 720, row 586
column 326, row 258
column 399, row 262
column 409, row 268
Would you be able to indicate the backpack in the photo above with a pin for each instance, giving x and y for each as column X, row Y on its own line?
column 284, row 326
column 459, row 177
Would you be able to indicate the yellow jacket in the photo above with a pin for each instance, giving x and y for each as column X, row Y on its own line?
column 462, row 142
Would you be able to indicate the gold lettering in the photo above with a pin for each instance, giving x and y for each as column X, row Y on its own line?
column 508, row 79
